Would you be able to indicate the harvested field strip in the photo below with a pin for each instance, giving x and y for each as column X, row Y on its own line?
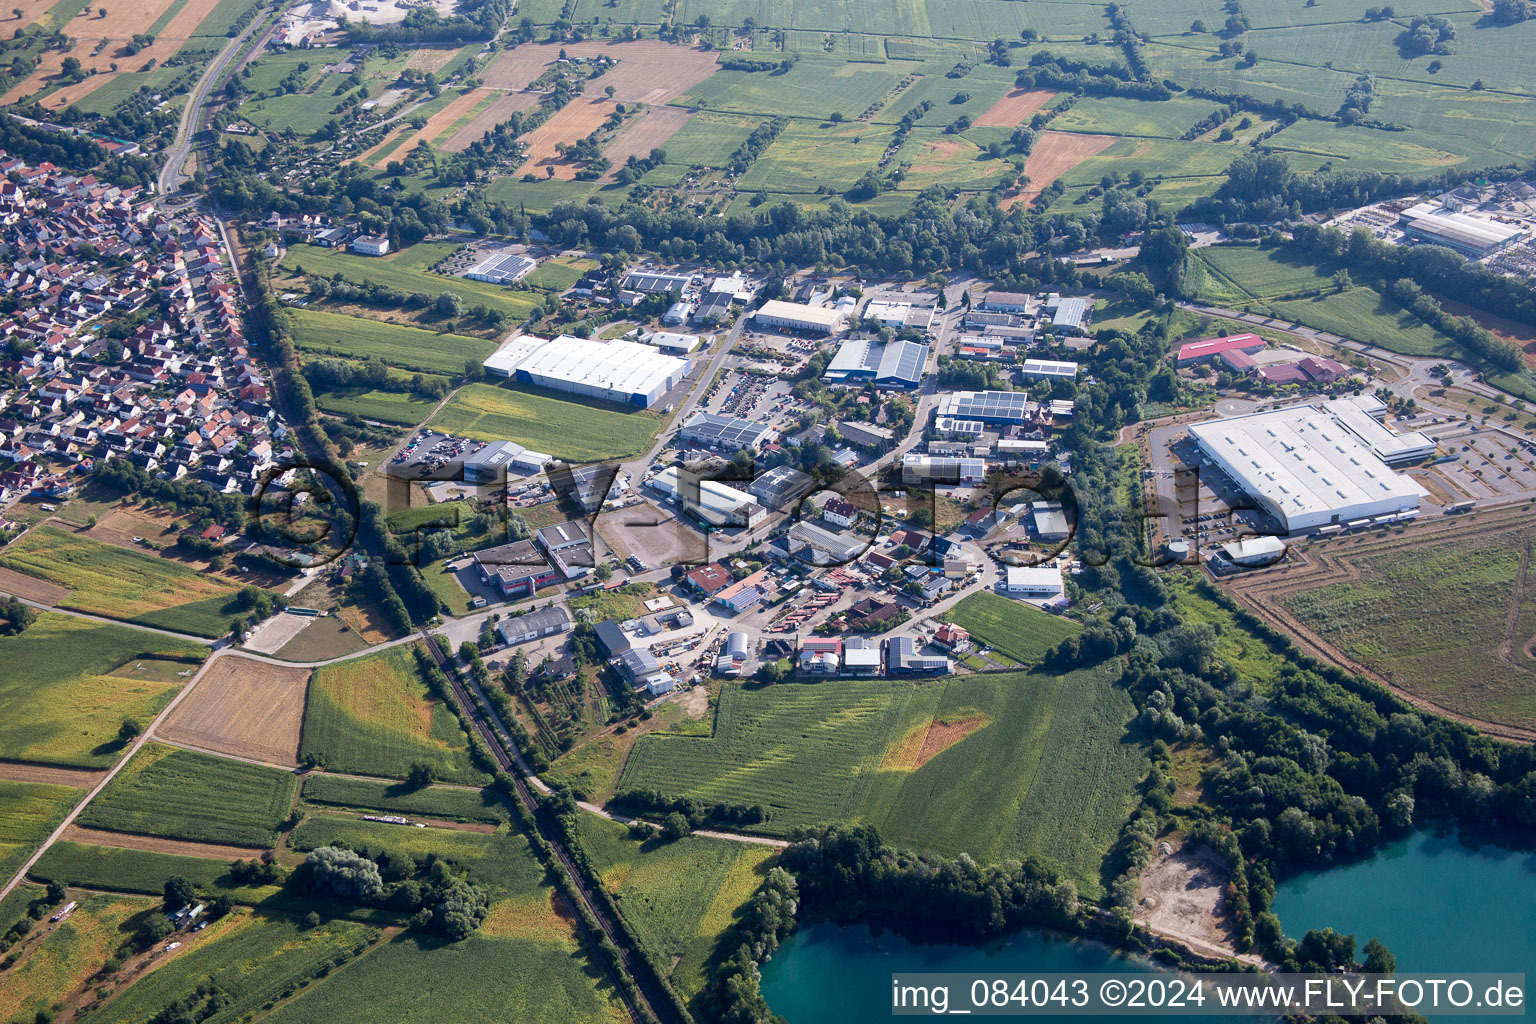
column 50, row 775
column 639, row 137
column 483, row 98
column 925, row 741
column 1014, row 109
column 246, row 708
column 378, row 154
column 571, row 123
column 447, row 117
column 1055, row 154
column 481, row 125
column 155, row 844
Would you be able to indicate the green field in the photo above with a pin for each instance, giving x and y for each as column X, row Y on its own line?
column 254, row 958
column 806, row 157
column 678, row 897
column 399, row 798
column 182, row 794
column 1037, row 765
column 523, row 962
column 1116, row 115
column 1361, row 314
column 558, row 273
column 708, row 140
column 29, row 811
column 409, row 348
column 567, row 427
column 375, row 716
column 409, row 270
column 501, row 860
column 118, row 583
column 815, row 87
column 1265, row 273
column 398, row 407
column 140, row 871
column 63, row 705
column 1022, row 632
column 1475, row 660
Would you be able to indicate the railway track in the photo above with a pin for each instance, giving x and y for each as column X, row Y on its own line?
column 656, row 1002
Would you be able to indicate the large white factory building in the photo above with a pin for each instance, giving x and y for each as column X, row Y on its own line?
column 616, row 371
column 1309, row 467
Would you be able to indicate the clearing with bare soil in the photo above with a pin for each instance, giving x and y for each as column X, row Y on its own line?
column 243, row 707
column 19, row 584
column 1181, row 897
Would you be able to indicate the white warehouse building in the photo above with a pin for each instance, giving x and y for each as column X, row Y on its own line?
column 615, row 371
column 1306, row 467
column 797, row 316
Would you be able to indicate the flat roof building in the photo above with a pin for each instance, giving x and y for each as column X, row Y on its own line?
column 986, row 406
column 713, row 501
column 501, row 268
column 797, row 316
column 733, row 433
column 1068, row 313
column 1470, row 235
column 1306, row 467
column 1361, row 416
column 1033, row 580
column 517, row 629
column 819, row 546
column 1048, row 369
column 782, row 486
column 1009, row 302
column 671, row 340
column 491, row 462
column 614, row 371
column 1254, row 551
column 942, row 469
column 655, row 281
column 857, row 432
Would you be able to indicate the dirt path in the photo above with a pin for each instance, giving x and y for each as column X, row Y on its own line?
column 53, row 775
column 154, row 844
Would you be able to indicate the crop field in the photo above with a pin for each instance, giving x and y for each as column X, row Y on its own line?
column 403, row 408
column 172, row 23
column 399, row 798
column 254, row 958
column 708, row 140
column 67, row 956
column 121, row 584
column 1050, row 774
column 566, row 427
column 1368, row 600
column 816, row 87
column 480, row 125
column 1022, row 632
column 409, row 348
column 1364, row 148
column 375, row 716
column 141, row 871
column 558, row 273
column 650, row 131
column 182, row 794
column 1015, row 108
column 677, row 896
column 1054, row 155
column 523, row 961
column 243, row 707
column 500, row 861
column 1265, row 273
column 566, row 126
column 1362, row 314
column 69, row 684
column 409, row 270
column 1117, row 115
column 812, row 157
column 951, row 161
column 29, row 811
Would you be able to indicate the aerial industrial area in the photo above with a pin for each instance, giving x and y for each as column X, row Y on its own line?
column 683, row 512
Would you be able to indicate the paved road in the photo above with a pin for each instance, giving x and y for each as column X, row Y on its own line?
column 172, row 173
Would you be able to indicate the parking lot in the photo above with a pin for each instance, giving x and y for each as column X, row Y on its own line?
column 426, row 455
